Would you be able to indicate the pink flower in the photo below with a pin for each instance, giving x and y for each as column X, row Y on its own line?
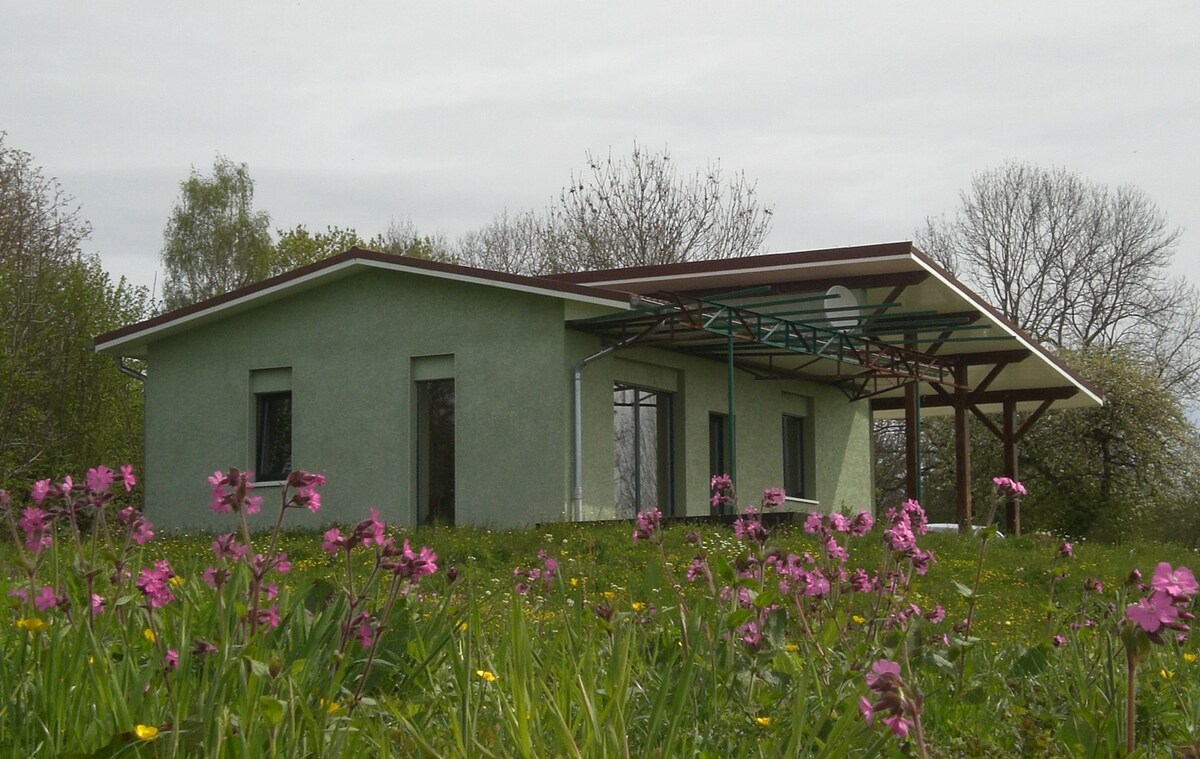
column 721, row 482
column 839, row 522
column 899, row 725
column 1058, row 640
column 1153, row 613
column 814, row 523
column 45, row 599
column 1066, row 550
column 409, row 565
column 697, row 569
column 773, row 498
column 647, row 525
column 171, row 660
column 97, row 605
column 40, row 490
column 155, row 584
column 861, row 524
column 227, row 547
column 334, row 541
column 1009, row 486
column 142, row 532
column 268, row 618
column 1179, row 584
column 66, row 486
column 127, row 478
column 864, row 707
column 884, row 676
column 99, row 479
column 35, row 523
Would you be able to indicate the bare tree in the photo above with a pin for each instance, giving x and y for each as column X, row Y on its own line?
column 639, row 211
column 1077, row 265
column 403, row 238
column 515, row 244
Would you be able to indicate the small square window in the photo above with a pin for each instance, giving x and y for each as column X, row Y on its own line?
column 273, row 440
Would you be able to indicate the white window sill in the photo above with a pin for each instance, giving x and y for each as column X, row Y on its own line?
column 270, row 484
column 801, row 501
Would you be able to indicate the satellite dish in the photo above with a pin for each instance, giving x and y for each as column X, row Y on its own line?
column 842, row 307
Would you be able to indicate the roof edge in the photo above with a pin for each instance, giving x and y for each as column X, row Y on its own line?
column 354, row 257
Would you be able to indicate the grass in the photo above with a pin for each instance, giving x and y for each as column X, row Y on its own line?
column 608, row 658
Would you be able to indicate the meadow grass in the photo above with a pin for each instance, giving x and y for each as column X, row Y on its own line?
column 575, row 640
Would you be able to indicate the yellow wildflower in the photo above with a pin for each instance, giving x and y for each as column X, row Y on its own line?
column 462, row 627
column 858, row 620
column 330, row 706
column 486, row 676
column 791, row 648
column 145, row 732
column 1189, row 658
column 176, row 580
column 574, row 582
column 763, row 721
column 149, row 635
column 33, row 624
column 638, row 605
column 1166, row 674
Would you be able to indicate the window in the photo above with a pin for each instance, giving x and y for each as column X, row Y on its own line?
column 718, row 443
column 435, row 451
column 273, row 437
column 642, row 467
column 796, row 480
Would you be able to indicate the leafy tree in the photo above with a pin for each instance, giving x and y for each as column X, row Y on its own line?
column 214, row 241
column 298, row 247
column 62, row 407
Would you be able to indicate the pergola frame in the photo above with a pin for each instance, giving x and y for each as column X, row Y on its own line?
column 909, row 360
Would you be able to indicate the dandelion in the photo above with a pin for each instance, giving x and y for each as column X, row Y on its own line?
column 149, row 635
column 485, row 675
column 637, row 605
column 762, row 721
column 145, row 732
column 1189, row 658
column 32, row 624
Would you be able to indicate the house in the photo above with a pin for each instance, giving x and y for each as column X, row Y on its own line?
column 442, row 393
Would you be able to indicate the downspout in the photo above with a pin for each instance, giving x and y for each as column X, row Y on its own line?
column 577, row 374
column 120, row 361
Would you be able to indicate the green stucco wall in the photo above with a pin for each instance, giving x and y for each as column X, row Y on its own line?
column 352, row 346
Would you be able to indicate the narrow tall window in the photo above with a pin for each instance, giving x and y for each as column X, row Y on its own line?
column 795, row 475
column 435, row 451
column 718, row 458
column 642, row 468
column 273, row 438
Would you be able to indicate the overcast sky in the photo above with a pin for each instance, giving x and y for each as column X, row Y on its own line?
column 857, row 120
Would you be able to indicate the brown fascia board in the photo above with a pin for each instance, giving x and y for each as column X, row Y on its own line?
column 361, row 254
column 1000, row 318
column 717, row 265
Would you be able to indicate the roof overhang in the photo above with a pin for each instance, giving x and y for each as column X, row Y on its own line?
column 133, row 341
column 915, row 324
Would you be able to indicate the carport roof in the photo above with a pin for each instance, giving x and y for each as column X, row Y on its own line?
column 911, row 321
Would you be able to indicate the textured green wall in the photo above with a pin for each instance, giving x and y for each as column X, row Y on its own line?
column 351, row 346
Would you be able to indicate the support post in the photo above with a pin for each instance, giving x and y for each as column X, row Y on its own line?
column 732, row 431
column 912, row 441
column 962, row 449
column 1008, row 438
